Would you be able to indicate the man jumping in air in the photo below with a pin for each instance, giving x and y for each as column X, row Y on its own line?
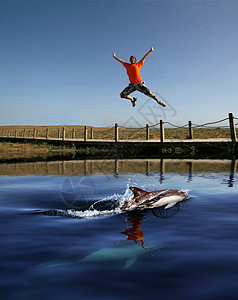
column 136, row 83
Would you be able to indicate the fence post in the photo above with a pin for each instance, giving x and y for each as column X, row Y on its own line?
column 15, row 133
column 47, row 133
column 116, row 132
column 190, row 130
column 24, row 132
column 91, row 133
column 63, row 134
column 161, row 131
column 85, row 133
column 34, row 133
column 58, row 133
column 73, row 133
column 147, row 132
column 232, row 127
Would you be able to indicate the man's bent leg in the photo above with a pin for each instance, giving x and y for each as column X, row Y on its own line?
column 127, row 91
column 141, row 87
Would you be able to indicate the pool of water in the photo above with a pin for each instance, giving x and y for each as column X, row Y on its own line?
column 187, row 251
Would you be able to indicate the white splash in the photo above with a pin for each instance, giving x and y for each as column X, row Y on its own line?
column 101, row 208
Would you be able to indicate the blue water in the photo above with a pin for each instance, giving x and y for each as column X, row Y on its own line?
column 189, row 251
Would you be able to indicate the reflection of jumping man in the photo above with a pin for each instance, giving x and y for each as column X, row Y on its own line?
column 136, row 83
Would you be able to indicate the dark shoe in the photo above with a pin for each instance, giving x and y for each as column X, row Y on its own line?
column 162, row 103
column 134, row 101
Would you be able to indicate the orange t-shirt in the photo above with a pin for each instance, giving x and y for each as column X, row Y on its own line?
column 133, row 71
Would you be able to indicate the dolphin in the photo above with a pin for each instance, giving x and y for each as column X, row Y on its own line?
column 140, row 200
column 143, row 199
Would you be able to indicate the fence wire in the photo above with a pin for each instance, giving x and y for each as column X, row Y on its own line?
column 103, row 134
column 133, row 132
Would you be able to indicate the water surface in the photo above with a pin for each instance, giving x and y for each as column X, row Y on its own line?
column 188, row 251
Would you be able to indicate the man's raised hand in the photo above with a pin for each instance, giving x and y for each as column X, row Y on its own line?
column 118, row 59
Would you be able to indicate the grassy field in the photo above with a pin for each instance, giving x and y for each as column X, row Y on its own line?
column 108, row 133
column 20, row 151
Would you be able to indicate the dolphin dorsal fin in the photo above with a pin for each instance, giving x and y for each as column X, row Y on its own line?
column 137, row 192
column 130, row 262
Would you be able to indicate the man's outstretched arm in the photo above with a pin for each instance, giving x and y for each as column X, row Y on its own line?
column 118, row 59
column 148, row 53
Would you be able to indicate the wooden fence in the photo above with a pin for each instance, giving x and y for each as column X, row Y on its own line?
column 88, row 132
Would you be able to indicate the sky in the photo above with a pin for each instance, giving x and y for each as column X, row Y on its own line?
column 56, row 64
